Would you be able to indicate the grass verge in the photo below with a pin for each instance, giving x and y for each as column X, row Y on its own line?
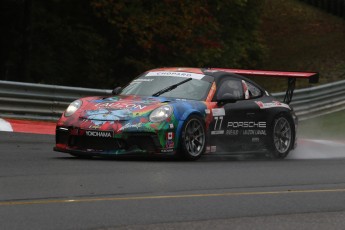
column 330, row 126
column 300, row 37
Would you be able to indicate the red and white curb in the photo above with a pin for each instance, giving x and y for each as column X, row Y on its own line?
column 5, row 126
column 27, row 126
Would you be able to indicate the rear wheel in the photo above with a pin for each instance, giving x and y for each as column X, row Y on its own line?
column 282, row 137
column 193, row 138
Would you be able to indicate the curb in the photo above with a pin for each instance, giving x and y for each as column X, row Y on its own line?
column 27, row 126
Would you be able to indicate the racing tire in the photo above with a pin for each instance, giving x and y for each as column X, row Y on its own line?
column 193, row 139
column 282, row 137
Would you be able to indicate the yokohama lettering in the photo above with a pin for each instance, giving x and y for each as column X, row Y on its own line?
column 98, row 134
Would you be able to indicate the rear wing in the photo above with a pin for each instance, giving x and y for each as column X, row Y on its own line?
column 291, row 76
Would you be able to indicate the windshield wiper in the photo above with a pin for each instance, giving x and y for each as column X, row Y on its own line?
column 169, row 88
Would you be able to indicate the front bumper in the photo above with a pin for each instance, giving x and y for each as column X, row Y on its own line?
column 70, row 140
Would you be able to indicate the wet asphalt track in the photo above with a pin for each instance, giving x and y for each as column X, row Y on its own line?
column 42, row 189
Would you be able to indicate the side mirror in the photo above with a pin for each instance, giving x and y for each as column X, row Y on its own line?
column 227, row 98
column 116, row 91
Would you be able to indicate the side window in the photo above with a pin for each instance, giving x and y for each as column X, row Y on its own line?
column 253, row 90
column 230, row 88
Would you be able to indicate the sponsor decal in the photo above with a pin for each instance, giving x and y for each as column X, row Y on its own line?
column 120, row 105
column 208, row 149
column 176, row 74
column 169, row 140
column 232, row 132
column 254, row 132
column 246, row 132
column 217, row 132
column 101, row 116
column 131, row 126
column 142, row 79
column 213, row 149
column 167, row 150
column 169, row 144
column 272, row 104
column 247, row 124
column 170, row 135
column 171, row 126
column 95, row 133
column 218, row 112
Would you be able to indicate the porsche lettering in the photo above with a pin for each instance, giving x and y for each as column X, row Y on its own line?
column 247, row 124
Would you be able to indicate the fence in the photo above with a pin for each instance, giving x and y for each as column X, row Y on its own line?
column 47, row 102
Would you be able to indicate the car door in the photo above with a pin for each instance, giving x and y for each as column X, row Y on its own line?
column 239, row 122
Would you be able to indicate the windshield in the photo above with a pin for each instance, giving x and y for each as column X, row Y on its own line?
column 147, row 85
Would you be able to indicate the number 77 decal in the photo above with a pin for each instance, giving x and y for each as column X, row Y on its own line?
column 218, row 126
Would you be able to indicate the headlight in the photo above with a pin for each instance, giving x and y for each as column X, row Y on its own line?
column 161, row 113
column 74, row 106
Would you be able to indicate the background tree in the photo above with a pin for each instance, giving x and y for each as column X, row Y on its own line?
column 103, row 43
column 183, row 33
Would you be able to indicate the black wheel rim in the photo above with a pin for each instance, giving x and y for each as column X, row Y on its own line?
column 282, row 135
column 194, row 137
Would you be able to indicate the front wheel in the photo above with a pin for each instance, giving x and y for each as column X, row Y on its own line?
column 193, row 138
column 282, row 137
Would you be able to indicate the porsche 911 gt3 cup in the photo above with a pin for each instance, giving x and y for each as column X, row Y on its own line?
column 185, row 112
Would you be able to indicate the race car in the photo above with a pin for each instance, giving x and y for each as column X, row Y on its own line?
column 183, row 112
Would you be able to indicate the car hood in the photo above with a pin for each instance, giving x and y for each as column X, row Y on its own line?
column 120, row 107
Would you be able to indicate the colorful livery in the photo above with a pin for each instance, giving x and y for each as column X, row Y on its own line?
column 183, row 112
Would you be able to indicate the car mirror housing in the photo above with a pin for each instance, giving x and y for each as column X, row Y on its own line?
column 116, row 91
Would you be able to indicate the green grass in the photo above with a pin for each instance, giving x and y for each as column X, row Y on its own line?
column 331, row 126
column 300, row 37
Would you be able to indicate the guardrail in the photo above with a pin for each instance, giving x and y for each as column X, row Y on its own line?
column 47, row 102
column 318, row 100
column 38, row 101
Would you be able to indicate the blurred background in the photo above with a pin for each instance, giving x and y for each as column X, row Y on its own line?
column 106, row 43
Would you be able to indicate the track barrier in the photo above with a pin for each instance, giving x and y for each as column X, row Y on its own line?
column 47, row 102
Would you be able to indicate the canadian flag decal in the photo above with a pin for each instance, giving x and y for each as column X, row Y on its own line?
column 170, row 135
